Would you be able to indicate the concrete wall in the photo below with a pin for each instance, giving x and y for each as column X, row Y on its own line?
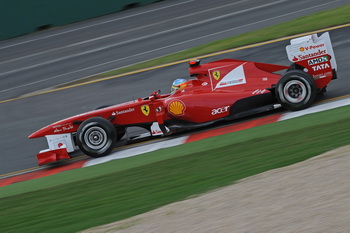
column 19, row 17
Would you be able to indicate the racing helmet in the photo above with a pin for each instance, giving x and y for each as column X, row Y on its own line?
column 178, row 84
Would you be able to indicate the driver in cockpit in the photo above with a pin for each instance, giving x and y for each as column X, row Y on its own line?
column 178, row 84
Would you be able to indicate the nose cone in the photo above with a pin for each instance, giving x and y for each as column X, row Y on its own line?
column 38, row 134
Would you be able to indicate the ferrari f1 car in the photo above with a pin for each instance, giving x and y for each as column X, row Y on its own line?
column 220, row 90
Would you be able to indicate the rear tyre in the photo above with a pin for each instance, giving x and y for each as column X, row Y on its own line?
column 296, row 90
column 96, row 137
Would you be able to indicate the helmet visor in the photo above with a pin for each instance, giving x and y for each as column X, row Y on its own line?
column 174, row 88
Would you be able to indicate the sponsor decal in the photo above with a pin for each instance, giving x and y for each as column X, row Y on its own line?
column 232, row 82
column 216, row 74
column 155, row 129
column 314, row 46
column 259, row 91
column 301, row 57
column 177, row 107
column 157, row 132
column 306, row 49
column 310, row 47
column 145, row 110
column 62, row 128
column 322, row 75
column 220, row 110
column 159, row 109
column 317, row 60
column 234, row 77
column 320, row 67
column 123, row 111
column 59, row 144
column 204, row 83
column 295, row 58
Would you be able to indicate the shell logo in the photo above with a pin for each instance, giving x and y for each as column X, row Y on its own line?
column 301, row 49
column 177, row 107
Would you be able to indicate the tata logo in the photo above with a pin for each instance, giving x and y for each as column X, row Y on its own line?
column 220, row 110
column 320, row 67
column 317, row 60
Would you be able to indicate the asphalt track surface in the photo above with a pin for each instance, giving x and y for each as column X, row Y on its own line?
column 28, row 59
column 56, row 56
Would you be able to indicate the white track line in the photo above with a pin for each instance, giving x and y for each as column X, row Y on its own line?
column 136, row 151
column 316, row 108
column 96, row 24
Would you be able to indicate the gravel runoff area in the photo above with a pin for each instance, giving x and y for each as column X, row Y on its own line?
column 312, row 196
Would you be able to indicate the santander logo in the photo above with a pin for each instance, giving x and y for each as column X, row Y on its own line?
column 310, row 52
column 311, row 55
column 309, row 47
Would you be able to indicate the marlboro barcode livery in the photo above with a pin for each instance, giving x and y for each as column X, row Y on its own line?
column 221, row 90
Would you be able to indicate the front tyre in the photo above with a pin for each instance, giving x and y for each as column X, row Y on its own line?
column 96, row 137
column 296, row 90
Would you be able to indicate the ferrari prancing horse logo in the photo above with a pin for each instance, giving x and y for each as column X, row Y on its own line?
column 145, row 110
column 216, row 74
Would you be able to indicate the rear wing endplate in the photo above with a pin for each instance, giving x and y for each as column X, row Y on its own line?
column 312, row 49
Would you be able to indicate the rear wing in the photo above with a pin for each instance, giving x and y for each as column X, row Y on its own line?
column 315, row 54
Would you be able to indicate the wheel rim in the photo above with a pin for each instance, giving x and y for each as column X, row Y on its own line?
column 95, row 138
column 295, row 91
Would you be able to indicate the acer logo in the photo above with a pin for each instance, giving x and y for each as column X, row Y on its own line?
column 320, row 67
column 219, row 110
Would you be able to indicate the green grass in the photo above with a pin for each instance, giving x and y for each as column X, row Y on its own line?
column 149, row 181
column 304, row 24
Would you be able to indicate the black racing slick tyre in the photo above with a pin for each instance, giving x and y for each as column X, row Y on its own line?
column 296, row 90
column 96, row 137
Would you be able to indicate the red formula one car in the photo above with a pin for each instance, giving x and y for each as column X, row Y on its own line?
column 221, row 90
